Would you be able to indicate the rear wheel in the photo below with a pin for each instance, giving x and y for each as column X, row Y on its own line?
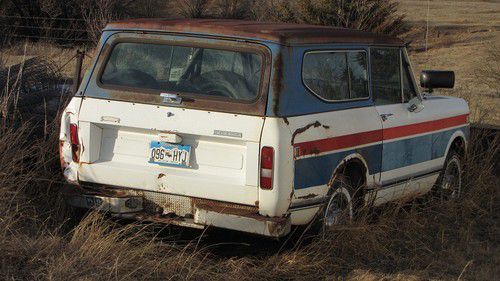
column 450, row 183
column 339, row 209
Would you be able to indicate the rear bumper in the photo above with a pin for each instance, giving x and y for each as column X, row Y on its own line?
column 178, row 210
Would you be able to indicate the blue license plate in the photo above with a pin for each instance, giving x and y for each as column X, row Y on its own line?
column 164, row 153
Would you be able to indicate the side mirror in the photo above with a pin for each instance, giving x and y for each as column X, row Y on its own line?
column 433, row 79
column 415, row 105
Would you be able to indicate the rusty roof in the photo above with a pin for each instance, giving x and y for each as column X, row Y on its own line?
column 283, row 33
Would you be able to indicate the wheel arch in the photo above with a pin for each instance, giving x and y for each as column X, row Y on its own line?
column 458, row 142
column 353, row 164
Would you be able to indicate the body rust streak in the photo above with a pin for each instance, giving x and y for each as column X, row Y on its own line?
column 303, row 129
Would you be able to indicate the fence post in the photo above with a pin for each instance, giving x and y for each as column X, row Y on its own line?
column 78, row 70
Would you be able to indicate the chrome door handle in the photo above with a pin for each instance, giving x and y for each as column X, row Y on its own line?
column 385, row 116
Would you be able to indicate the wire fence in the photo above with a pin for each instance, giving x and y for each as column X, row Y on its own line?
column 63, row 31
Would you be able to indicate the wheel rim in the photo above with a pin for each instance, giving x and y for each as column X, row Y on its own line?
column 452, row 180
column 338, row 211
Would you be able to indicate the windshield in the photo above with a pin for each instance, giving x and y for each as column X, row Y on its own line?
column 198, row 71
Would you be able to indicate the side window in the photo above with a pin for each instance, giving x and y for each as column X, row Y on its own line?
column 386, row 76
column 409, row 91
column 336, row 76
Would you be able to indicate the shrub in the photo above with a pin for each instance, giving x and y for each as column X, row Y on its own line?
column 274, row 11
column 232, row 9
column 378, row 16
column 192, row 8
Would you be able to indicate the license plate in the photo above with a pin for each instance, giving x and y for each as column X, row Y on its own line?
column 92, row 202
column 163, row 153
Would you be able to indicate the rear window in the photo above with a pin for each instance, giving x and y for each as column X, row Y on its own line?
column 198, row 71
column 336, row 75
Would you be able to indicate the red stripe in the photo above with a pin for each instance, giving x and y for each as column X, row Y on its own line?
column 340, row 142
column 323, row 145
column 424, row 127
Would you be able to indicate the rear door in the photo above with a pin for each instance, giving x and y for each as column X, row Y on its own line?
column 180, row 118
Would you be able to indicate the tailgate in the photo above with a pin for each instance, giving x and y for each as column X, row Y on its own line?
column 117, row 137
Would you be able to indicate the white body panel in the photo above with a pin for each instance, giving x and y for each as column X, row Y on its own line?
column 116, row 136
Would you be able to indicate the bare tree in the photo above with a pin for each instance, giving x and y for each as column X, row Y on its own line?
column 192, row 8
column 232, row 9
column 97, row 13
column 378, row 16
column 274, row 11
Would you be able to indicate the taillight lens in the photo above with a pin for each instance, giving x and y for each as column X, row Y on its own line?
column 266, row 167
column 75, row 143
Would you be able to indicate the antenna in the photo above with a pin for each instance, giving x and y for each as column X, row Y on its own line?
column 427, row 26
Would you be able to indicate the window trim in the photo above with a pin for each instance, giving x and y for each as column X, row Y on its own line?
column 338, row 51
column 399, row 48
column 406, row 59
column 254, row 49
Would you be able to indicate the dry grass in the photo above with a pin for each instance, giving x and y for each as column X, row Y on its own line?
column 415, row 241
column 421, row 240
column 463, row 36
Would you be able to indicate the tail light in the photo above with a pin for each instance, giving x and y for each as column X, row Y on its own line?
column 266, row 167
column 75, row 143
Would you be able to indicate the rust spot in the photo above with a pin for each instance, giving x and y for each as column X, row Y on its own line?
column 227, row 208
column 257, row 203
column 161, row 175
column 276, row 228
column 277, row 82
column 326, row 127
column 303, row 129
column 61, row 158
column 283, row 33
column 314, row 150
column 308, row 196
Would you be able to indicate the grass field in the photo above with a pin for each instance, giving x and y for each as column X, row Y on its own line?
column 463, row 36
column 421, row 240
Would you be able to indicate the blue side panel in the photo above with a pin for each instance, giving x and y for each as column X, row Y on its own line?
column 406, row 152
column 316, row 171
column 440, row 142
column 294, row 98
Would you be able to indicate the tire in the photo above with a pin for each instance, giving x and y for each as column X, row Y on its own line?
column 338, row 209
column 449, row 185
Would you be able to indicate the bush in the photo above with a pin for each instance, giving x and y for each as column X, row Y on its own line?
column 379, row 16
column 192, row 8
column 274, row 11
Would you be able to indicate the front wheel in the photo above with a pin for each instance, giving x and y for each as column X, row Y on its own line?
column 450, row 183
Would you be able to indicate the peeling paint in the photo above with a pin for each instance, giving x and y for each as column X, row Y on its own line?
column 303, row 129
column 277, row 81
column 308, row 196
column 282, row 33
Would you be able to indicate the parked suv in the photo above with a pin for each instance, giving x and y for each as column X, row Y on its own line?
column 256, row 127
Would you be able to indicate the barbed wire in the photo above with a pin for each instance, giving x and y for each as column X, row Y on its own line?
column 44, row 28
column 42, row 18
column 49, row 38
